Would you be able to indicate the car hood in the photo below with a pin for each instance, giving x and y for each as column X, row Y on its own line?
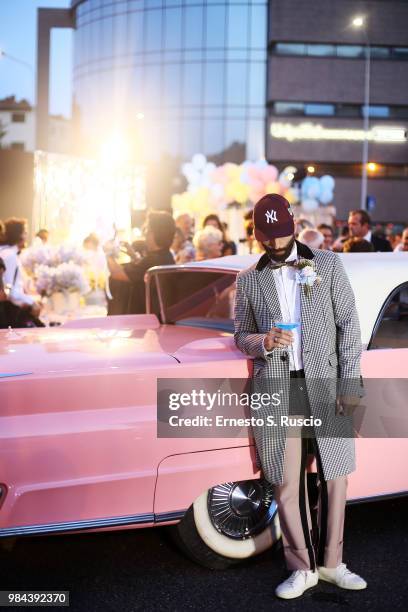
column 131, row 344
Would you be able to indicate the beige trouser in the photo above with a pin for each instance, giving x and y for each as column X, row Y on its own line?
column 307, row 542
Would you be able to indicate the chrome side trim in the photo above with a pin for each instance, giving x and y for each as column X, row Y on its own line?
column 376, row 498
column 77, row 525
column 116, row 521
column 163, row 517
column 11, row 374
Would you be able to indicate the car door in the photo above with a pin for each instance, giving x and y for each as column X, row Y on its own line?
column 381, row 460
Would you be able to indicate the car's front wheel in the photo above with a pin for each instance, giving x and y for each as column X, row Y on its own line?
column 229, row 523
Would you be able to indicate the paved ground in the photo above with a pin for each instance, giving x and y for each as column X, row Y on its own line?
column 141, row 570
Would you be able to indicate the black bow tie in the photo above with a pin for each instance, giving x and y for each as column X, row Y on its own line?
column 275, row 266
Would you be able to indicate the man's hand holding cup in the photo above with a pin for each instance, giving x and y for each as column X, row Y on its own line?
column 278, row 338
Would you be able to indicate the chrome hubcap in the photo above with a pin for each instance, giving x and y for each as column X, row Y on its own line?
column 241, row 509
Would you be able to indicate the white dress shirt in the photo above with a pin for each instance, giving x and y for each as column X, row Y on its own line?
column 368, row 236
column 290, row 305
column 13, row 276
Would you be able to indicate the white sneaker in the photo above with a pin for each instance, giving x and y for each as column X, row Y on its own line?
column 297, row 583
column 342, row 577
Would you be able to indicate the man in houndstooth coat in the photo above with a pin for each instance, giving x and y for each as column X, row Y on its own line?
column 310, row 367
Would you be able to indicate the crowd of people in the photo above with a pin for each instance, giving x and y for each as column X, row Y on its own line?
column 167, row 240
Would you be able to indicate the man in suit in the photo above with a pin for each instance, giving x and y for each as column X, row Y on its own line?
column 309, row 287
column 359, row 223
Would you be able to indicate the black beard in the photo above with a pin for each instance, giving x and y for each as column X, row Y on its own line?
column 272, row 252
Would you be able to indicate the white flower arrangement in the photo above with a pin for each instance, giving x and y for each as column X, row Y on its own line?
column 71, row 277
column 56, row 269
column 66, row 253
column 35, row 256
column 306, row 274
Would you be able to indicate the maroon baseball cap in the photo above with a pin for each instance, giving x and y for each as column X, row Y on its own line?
column 273, row 218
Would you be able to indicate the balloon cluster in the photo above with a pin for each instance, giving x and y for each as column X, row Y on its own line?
column 315, row 191
column 212, row 187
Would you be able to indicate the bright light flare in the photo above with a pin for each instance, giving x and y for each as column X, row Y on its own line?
column 115, row 151
column 358, row 21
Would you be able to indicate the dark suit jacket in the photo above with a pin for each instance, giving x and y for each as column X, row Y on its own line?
column 380, row 244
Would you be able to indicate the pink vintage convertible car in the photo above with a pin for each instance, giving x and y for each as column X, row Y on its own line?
column 78, row 443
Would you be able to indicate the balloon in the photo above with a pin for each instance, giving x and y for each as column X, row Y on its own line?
column 292, row 195
column 310, row 187
column 245, row 177
column 232, row 171
column 254, row 173
column 270, row 174
column 326, row 197
column 327, row 182
column 199, row 161
column 261, row 163
column 273, row 187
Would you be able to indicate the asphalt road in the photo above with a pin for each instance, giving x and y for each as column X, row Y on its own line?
column 142, row 570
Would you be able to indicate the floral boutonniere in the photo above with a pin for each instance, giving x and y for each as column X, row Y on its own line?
column 306, row 275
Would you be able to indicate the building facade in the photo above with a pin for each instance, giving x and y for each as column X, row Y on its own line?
column 244, row 79
column 178, row 76
column 315, row 99
column 17, row 124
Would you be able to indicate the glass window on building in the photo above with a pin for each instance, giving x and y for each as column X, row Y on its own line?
column 191, row 137
column 257, row 83
column 171, row 85
column 172, row 28
column 237, row 86
column 288, row 108
column 290, row 49
column 215, row 27
column 258, row 33
column 213, row 136
column 399, row 112
column 350, row 51
column 106, row 35
column 152, row 86
column 120, row 35
column 400, row 53
column 192, row 84
column 135, row 32
column 171, row 136
column 18, row 117
column 238, row 26
column 320, row 50
column 153, row 30
column 193, row 27
column 380, row 52
column 376, row 111
column 235, row 132
column 348, row 110
column 214, row 75
column 319, row 109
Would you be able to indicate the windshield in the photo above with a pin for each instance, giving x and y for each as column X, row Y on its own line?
column 194, row 297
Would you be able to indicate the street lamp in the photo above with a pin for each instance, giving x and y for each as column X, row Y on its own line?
column 15, row 59
column 359, row 22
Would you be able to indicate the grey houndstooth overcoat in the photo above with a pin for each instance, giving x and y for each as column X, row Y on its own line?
column 331, row 351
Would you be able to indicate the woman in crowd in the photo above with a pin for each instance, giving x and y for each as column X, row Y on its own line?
column 228, row 246
column 208, row 243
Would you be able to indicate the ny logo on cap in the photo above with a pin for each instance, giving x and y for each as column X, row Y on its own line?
column 271, row 216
